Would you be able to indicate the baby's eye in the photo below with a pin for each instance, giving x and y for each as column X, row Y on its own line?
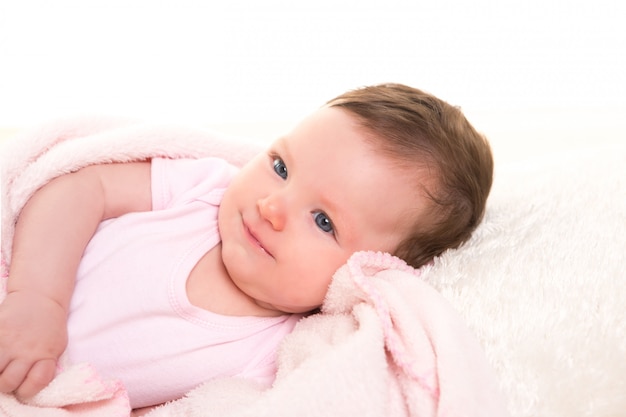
column 323, row 222
column 280, row 168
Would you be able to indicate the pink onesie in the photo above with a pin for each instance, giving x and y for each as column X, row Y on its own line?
column 130, row 316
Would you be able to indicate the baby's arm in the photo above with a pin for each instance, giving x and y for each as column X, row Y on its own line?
column 51, row 234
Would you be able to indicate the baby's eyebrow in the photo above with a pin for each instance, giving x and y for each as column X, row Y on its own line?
column 280, row 147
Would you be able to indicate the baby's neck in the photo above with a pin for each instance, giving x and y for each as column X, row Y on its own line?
column 210, row 287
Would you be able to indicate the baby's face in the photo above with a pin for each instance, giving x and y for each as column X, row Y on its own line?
column 296, row 213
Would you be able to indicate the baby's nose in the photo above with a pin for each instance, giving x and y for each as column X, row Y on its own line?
column 272, row 209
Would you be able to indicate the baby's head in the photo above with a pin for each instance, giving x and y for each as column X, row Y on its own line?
column 384, row 168
column 452, row 161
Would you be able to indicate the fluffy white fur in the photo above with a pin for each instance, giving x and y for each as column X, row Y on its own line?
column 543, row 283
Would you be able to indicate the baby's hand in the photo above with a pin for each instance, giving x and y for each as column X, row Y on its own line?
column 33, row 334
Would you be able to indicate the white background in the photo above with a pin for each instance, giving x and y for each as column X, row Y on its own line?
column 560, row 65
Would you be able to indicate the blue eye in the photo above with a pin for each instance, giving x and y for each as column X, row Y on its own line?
column 323, row 222
column 280, row 168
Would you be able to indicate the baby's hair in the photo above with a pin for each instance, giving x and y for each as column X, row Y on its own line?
column 419, row 130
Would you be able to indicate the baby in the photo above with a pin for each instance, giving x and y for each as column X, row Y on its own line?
column 166, row 273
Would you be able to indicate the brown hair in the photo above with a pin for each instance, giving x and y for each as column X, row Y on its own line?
column 422, row 131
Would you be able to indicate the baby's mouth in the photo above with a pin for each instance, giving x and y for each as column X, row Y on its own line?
column 256, row 242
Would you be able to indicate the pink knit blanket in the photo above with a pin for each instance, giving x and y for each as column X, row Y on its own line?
column 384, row 344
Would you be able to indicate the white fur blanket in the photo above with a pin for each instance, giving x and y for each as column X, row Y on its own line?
column 385, row 344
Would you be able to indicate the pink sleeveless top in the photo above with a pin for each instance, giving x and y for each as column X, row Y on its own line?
column 130, row 316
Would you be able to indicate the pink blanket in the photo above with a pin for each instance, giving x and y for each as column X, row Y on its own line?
column 385, row 343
